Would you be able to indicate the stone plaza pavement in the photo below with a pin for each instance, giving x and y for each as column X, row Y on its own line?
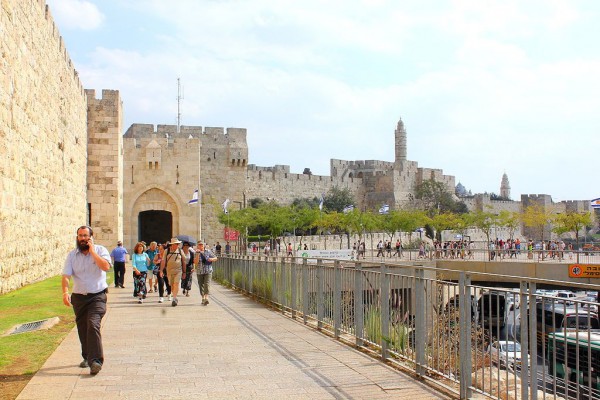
column 234, row 348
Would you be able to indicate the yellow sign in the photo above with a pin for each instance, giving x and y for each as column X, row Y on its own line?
column 584, row 271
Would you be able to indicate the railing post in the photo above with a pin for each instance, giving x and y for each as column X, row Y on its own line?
column 283, row 286
column 305, row 299
column 294, row 290
column 359, row 308
column 249, row 265
column 320, row 289
column 527, row 328
column 420, row 323
column 337, row 299
column 464, row 305
column 384, row 298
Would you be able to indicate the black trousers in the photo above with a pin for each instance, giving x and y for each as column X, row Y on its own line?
column 162, row 282
column 119, row 273
column 89, row 311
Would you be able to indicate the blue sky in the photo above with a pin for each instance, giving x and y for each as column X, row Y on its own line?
column 483, row 87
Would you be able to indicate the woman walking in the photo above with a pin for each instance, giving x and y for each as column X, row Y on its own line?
column 189, row 261
column 140, row 262
column 152, row 269
column 204, row 273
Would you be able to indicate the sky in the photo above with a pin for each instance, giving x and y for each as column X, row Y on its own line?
column 483, row 87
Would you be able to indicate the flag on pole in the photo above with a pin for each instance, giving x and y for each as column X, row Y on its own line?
column 384, row 209
column 194, row 199
column 348, row 209
column 225, row 204
column 595, row 203
column 321, row 201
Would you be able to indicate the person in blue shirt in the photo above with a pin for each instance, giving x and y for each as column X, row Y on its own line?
column 139, row 262
column 87, row 265
column 118, row 257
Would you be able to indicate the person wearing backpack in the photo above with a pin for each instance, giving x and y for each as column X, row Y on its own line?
column 204, row 272
column 189, row 260
column 173, row 264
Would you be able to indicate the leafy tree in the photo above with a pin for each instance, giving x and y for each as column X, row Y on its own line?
column 336, row 199
column 435, row 198
column 510, row 220
column 484, row 221
column 572, row 222
column 537, row 218
column 446, row 221
column 256, row 202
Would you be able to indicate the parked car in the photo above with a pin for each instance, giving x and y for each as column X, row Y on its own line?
column 506, row 353
column 567, row 296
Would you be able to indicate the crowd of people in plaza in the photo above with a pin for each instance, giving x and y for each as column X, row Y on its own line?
column 167, row 268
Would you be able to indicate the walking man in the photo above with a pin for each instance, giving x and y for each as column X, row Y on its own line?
column 118, row 256
column 205, row 270
column 87, row 265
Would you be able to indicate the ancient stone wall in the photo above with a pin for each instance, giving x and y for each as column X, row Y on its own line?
column 43, row 143
column 105, row 166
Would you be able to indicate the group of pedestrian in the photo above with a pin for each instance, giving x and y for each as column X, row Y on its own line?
column 157, row 267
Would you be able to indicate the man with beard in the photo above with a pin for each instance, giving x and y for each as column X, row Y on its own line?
column 87, row 265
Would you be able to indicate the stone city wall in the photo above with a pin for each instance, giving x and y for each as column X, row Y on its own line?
column 43, row 142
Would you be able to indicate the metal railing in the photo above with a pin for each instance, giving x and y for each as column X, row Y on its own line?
column 498, row 342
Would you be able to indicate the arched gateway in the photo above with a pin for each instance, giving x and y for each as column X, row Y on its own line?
column 153, row 217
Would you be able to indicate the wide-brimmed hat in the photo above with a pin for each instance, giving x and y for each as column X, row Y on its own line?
column 175, row 241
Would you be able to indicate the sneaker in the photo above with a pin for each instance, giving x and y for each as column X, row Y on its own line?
column 95, row 367
column 160, row 300
column 140, row 300
column 83, row 364
column 207, row 302
column 174, row 302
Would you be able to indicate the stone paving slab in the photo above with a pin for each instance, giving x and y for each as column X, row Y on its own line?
column 233, row 348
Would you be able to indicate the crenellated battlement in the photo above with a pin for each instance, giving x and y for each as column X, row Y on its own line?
column 185, row 132
column 42, row 7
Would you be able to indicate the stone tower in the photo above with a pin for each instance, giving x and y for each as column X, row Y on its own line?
column 505, row 187
column 105, row 166
column 400, row 142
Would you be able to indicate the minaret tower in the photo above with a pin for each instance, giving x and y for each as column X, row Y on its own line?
column 505, row 187
column 400, row 141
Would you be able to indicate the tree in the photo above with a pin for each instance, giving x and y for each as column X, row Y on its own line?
column 336, row 199
column 510, row 220
column 446, row 221
column 572, row 222
column 484, row 221
column 537, row 218
column 435, row 198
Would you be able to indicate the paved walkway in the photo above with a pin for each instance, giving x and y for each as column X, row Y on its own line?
column 233, row 348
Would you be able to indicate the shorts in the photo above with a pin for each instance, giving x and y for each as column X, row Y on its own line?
column 174, row 276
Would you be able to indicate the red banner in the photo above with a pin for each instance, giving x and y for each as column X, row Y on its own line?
column 231, row 234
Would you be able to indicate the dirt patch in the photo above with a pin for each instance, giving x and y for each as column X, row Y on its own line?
column 12, row 385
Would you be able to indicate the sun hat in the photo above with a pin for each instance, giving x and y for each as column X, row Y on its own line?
column 175, row 241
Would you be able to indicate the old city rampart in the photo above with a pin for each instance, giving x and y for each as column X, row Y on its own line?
column 43, row 142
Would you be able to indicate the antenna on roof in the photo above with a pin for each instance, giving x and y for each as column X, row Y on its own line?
column 179, row 98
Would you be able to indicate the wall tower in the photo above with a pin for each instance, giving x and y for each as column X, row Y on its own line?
column 400, row 142
column 505, row 187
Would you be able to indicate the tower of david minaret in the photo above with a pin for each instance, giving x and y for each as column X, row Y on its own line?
column 505, row 187
column 400, row 141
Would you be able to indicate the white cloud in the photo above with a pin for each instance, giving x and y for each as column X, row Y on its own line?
column 76, row 14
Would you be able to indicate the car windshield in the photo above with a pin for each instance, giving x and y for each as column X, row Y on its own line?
column 511, row 347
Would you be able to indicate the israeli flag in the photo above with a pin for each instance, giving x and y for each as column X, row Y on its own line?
column 194, row 199
column 225, row 204
column 385, row 209
column 321, row 201
column 348, row 209
column 595, row 203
